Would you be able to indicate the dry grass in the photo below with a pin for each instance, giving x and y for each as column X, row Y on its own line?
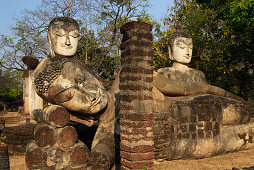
column 227, row 161
column 240, row 159
column 17, row 162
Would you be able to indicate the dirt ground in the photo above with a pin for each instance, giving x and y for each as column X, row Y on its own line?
column 240, row 159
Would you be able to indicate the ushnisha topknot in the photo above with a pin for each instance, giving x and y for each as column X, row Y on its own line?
column 67, row 23
column 179, row 32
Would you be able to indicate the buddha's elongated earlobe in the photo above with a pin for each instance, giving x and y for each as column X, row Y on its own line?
column 52, row 53
column 170, row 53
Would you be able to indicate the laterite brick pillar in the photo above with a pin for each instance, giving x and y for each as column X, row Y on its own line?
column 136, row 116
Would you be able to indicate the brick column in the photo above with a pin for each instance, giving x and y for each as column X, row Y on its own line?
column 136, row 117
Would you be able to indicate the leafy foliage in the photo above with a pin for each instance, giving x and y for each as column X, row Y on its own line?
column 11, row 88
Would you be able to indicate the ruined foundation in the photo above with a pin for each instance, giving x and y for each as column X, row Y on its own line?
column 201, row 126
column 55, row 144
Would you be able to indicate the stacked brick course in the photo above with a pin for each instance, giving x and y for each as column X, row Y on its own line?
column 136, row 117
column 17, row 138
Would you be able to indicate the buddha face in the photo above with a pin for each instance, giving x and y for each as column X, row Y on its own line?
column 63, row 41
column 182, row 50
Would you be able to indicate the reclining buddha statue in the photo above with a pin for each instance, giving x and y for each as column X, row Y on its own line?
column 194, row 119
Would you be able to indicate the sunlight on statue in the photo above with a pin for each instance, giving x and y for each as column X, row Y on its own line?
column 63, row 37
column 63, row 81
column 182, row 51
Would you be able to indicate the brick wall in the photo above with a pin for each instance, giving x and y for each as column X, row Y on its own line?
column 17, row 138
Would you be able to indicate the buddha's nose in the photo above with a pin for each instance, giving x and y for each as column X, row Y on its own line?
column 188, row 52
column 67, row 41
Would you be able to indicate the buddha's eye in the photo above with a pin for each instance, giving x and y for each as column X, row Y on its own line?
column 59, row 34
column 74, row 35
column 181, row 45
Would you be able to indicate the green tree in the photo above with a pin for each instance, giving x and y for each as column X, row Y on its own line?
column 11, row 88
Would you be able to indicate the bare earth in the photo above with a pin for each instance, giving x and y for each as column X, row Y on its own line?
column 240, row 159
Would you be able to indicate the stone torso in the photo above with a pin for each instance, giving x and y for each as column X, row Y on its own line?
column 190, row 75
column 49, row 73
column 69, row 83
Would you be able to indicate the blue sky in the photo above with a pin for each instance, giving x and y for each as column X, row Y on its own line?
column 11, row 8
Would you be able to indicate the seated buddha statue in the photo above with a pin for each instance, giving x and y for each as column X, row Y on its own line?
column 62, row 80
column 181, row 80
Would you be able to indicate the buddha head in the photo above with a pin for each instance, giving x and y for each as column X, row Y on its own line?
column 180, row 47
column 62, row 36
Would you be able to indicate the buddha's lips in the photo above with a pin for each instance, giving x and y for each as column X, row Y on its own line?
column 69, row 47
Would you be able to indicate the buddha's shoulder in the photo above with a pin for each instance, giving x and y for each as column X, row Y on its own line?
column 40, row 66
column 166, row 70
column 188, row 74
column 196, row 72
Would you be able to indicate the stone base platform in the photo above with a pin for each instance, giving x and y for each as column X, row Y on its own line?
column 201, row 126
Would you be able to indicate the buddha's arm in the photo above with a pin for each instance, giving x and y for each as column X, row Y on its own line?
column 179, row 88
column 221, row 92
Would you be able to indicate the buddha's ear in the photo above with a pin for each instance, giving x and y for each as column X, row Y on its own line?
column 52, row 53
column 170, row 53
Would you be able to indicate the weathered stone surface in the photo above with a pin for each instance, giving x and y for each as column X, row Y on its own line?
column 79, row 154
column 188, row 125
column 135, row 95
column 137, row 124
column 137, row 70
column 35, row 156
column 137, row 149
column 30, row 62
column 136, row 43
column 98, row 160
column 136, row 164
column 146, row 60
column 136, row 25
column 139, row 117
column 17, row 138
column 4, row 157
column 56, row 115
column 137, row 156
column 135, row 35
column 45, row 135
column 67, row 136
